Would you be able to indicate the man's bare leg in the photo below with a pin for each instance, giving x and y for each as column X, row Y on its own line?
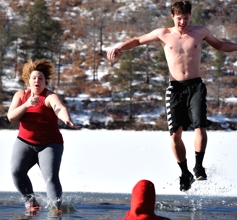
column 200, row 143
column 179, row 151
column 177, row 145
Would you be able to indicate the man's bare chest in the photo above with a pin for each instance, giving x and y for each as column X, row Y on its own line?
column 182, row 44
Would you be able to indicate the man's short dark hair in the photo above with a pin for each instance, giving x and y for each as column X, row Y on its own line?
column 181, row 7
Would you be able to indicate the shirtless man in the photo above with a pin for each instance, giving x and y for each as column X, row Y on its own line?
column 186, row 94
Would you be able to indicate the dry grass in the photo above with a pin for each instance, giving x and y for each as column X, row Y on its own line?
column 95, row 89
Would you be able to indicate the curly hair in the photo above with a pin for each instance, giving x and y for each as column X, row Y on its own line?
column 181, row 7
column 44, row 66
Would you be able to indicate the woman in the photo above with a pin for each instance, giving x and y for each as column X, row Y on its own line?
column 39, row 139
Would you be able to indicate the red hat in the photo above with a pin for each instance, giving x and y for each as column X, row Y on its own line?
column 143, row 202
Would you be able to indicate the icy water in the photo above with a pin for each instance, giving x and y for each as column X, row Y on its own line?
column 95, row 206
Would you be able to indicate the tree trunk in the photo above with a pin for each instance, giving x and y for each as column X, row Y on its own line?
column 147, row 61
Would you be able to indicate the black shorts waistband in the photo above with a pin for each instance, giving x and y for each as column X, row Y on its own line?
column 188, row 82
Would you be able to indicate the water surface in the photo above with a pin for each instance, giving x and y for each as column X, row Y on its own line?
column 109, row 206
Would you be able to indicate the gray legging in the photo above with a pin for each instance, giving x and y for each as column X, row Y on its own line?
column 25, row 156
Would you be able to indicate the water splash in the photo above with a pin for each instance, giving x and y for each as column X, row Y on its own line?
column 214, row 185
column 177, row 205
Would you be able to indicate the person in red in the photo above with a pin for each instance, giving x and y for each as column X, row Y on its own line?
column 143, row 202
column 39, row 140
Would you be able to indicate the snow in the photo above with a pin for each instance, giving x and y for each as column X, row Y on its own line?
column 221, row 119
column 11, row 84
column 8, row 9
column 231, row 100
column 113, row 161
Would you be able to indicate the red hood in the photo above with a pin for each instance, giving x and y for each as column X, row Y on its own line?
column 143, row 202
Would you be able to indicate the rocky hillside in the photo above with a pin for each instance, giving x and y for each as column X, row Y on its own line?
column 91, row 27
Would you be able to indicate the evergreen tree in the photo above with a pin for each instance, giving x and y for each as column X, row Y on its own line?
column 161, row 68
column 41, row 34
column 127, row 80
column 6, row 38
column 198, row 17
column 219, row 65
column 94, row 33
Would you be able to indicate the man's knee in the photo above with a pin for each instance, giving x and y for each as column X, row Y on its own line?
column 177, row 135
column 200, row 131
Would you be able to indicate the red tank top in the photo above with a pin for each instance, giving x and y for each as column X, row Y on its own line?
column 39, row 124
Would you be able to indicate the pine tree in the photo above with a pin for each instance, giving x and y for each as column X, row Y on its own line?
column 162, row 70
column 41, row 34
column 219, row 65
column 6, row 39
column 127, row 80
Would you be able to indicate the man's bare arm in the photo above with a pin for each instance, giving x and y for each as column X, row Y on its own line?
column 219, row 45
column 132, row 43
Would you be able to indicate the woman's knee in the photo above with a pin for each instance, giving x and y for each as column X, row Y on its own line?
column 16, row 172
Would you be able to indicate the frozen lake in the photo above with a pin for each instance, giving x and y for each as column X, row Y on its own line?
column 113, row 161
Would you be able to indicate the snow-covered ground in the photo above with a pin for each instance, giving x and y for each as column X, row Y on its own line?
column 85, row 116
column 113, row 161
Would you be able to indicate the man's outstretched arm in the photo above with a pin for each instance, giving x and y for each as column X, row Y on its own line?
column 219, row 45
column 132, row 43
